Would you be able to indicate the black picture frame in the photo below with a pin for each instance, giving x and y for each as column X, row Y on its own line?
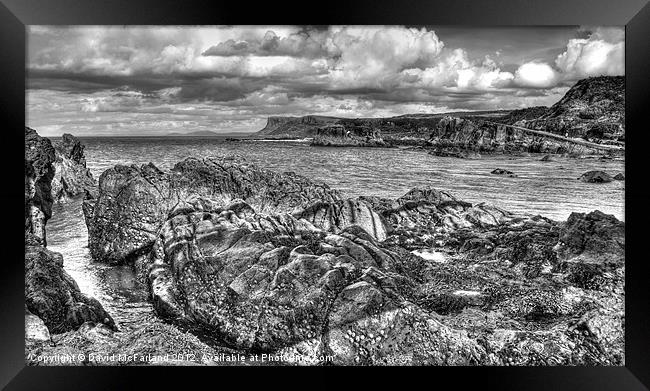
column 634, row 14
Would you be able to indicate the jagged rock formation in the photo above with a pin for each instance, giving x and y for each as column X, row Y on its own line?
column 348, row 136
column 461, row 137
column 280, row 264
column 134, row 202
column 71, row 177
column 593, row 108
column 39, row 156
column 294, row 127
column 50, row 293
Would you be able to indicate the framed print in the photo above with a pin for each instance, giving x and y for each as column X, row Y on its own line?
column 447, row 186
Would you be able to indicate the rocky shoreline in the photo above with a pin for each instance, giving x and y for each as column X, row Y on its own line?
column 256, row 261
column 63, row 326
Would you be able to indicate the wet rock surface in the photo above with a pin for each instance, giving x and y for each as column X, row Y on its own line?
column 267, row 262
column 595, row 177
column 134, row 202
column 52, row 295
column 501, row 171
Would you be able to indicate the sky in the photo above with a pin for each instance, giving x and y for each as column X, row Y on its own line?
column 148, row 80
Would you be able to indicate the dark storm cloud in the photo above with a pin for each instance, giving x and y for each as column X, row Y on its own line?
column 219, row 89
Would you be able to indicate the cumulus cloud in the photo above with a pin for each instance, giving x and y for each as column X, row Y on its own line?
column 112, row 51
column 455, row 70
column 373, row 56
column 602, row 53
column 536, row 74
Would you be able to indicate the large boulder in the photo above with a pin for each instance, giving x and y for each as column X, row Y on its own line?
column 501, row 171
column 256, row 281
column 274, row 283
column 125, row 218
column 39, row 156
column 71, row 177
column 53, row 296
column 592, row 250
column 594, row 236
column 133, row 202
column 595, row 177
column 35, row 329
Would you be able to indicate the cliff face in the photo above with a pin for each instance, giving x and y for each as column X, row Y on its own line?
column 406, row 126
column 461, row 137
column 593, row 108
column 294, row 126
column 39, row 156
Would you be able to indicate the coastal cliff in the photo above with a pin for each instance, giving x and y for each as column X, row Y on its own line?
column 593, row 108
column 294, row 127
column 459, row 137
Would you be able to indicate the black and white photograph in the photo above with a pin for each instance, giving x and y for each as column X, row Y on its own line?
column 344, row 195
